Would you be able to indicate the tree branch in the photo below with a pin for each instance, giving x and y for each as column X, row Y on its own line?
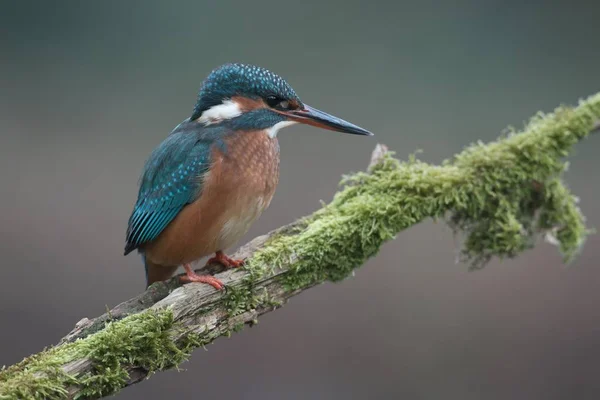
column 500, row 196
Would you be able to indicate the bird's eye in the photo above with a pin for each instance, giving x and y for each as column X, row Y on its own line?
column 272, row 101
column 277, row 102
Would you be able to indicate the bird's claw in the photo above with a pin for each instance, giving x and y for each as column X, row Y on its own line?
column 207, row 279
column 226, row 261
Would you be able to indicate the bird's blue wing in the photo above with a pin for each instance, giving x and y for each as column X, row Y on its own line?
column 172, row 178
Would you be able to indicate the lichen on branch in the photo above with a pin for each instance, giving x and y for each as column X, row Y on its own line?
column 500, row 196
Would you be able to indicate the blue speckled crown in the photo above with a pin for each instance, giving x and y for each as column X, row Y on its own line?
column 243, row 80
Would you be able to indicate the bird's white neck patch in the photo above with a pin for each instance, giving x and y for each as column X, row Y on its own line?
column 227, row 110
column 272, row 131
column 230, row 109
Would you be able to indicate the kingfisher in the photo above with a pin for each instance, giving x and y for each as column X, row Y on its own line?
column 211, row 178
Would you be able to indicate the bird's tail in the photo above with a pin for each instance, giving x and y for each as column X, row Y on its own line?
column 156, row 272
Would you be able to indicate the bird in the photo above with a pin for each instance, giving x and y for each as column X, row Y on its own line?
column 211, row 178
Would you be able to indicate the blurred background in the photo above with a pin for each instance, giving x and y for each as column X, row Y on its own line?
column 88, row 89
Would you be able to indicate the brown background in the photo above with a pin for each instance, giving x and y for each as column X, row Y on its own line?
column 87, row 89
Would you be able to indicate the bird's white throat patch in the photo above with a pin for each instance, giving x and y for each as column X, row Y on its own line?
column 227, row 110
column 272, row 131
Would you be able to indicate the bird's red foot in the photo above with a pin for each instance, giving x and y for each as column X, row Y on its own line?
column 191, row 276
column 225, row 261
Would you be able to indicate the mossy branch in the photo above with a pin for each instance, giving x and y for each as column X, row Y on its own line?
column 501, row 196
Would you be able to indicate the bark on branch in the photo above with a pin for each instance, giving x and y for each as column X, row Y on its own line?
column 501, row 196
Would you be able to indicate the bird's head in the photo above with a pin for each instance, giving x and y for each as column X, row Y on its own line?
column 251, row 97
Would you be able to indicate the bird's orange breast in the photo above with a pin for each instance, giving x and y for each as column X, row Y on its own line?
column 235, row 191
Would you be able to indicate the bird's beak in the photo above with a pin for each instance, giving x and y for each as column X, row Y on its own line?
column 312, row 116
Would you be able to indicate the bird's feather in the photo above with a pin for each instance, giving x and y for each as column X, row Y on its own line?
column 172, row 178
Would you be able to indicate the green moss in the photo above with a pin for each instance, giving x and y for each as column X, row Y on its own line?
column 501, row 196
column 267, row 301
column 142, row 340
